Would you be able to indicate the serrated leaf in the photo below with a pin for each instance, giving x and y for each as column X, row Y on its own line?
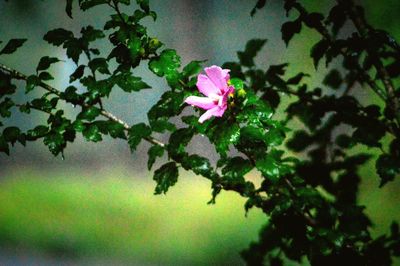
column 236, row 168
column 99, row 64
column 45, row 62
column 58, row 36
column 166, row 176
column 92, row 133
column 199, row 165
column 289, row 29
column 78, row 73
column 253, row 46
column 166, row 64
column 89, row 113
column 130, row 83
column 136, row 133
column 12, row 46
column 191, row 69
column 318, row 51
column 154, row 152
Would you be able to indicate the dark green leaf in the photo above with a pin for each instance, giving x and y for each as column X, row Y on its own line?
column 58, row 36
column 92, row 133
column 260, row 4
column 99, row 64
column 89, row 113
column 78, row 73
column 130, row 83
column 318, row 51
column 11, row 134
column 87, row 4
column 333, row 79
column 136, row 133
column 252, row 48
column 154, row 152
column 289, row 29
column 12, row 46
column 45, row 62
column 166, row 176
column 68, row 8
column 387, row 167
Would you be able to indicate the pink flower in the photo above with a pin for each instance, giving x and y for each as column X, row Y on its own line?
column 215, row 86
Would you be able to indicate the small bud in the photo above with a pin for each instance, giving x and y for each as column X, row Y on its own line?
column 142, row 51
column 241, row 93
column 154, row 43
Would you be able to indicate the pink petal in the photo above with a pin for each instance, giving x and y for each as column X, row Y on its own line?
column 218, row 76
column 230, row 90
column 216, row 111
column 202, row 102
column 206, row 86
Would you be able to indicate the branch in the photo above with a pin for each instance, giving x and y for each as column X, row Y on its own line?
column 18, row 75
column 365, row 77
column 363, row 28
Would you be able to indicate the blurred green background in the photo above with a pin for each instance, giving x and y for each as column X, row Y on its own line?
column 97, row 206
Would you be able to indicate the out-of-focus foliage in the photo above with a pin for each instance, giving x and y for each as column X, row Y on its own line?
column 310, row 199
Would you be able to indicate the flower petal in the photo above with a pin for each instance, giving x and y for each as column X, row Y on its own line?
column 224, row 98
column 218, row 76
column 216, row 111
column 206, row 86
column 202, row 102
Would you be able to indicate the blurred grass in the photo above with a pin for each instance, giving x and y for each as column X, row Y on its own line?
column 67, row 214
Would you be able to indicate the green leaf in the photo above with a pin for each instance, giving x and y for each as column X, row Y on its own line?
column 89, row 113
column 45, row 62
column 253, row 46
column 90, row 34
column 178, row 142
column 58, row 36
column 78, row 73
column 260, row 4
column 191, row 69
column 5, row 107
column 272, row 167
column 99, row 64
column 333, row 79
column 237, row 83
column 199, row 165
column 387, row 167
column 6, row 87
column 129, row 83
column 4, row 147
column 289, row 29
column 236, row 168
column 37, row 132
column 144, row 5
column 136, row 133
column 166, row 64
column 45, row 76
column 12, row 46
column 224, row 134
column 87, row 4
column 154, row 152
column 92, row 133
column 74, row 49
column 55, row 142
column 11, row 134
column 116, row 130
column 166, row 176
column 318, row 51
column 68, row 8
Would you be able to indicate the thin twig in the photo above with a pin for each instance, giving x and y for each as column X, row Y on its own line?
column 18, row 75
